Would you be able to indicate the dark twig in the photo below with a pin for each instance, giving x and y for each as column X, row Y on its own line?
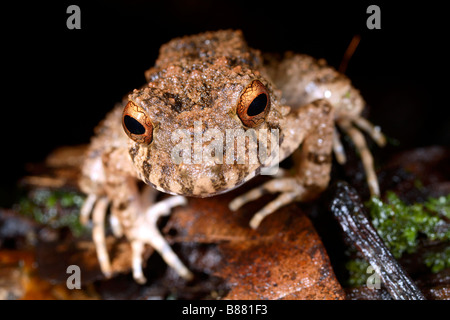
column 349, row 53
column 349, row 211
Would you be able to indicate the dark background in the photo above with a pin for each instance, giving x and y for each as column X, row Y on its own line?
column 60, row 82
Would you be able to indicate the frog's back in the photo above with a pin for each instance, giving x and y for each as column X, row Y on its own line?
column 208, row 45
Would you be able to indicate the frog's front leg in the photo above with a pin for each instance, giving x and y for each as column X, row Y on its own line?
column 313, row 162
column 134, row 213
column 145, row 231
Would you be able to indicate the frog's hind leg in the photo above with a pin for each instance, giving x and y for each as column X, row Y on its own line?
column 98, row 206
column 338, row 149
column 98, row 234
column 365, row 125
column 87, row 207
column 361, row 146
column 313, row 163
column 373, row 131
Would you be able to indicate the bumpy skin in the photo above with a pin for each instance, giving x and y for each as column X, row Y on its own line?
column 201, row 78
column 198, row 78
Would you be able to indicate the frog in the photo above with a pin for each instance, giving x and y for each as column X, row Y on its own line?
column 212, row 84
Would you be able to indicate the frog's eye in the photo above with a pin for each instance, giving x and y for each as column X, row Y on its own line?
column 254, row 104
column 137, row 124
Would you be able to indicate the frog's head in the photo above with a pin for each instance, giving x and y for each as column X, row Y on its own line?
column 187, row 125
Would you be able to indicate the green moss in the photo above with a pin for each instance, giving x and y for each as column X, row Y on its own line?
column 357, row 270
column 440, row 205
column 438, row 261
column 54, row 208
column 400, row 225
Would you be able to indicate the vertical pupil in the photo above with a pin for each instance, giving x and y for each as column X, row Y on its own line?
column 258, row 105
column 133, row 125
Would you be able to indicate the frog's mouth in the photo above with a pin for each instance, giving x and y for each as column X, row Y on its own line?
column 206, row 167
column 201, row 192
column 201, row 181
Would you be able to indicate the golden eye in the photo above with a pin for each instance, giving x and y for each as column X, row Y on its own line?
column 254, row 104
column 137, row 124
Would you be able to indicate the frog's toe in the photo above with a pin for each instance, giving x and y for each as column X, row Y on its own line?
column 87, row 207
column 374, row 131
column 114, row 222
column 145, row 231
column 253, row 194
column 137, row 249
column 272, row 186
column 361, row 146
column 290, row 190
column 282, row 200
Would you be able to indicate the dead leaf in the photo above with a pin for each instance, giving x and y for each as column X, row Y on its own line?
column 283, row 259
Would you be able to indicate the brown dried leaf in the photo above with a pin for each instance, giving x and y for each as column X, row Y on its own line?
column 55, row 257
column 283, row 259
